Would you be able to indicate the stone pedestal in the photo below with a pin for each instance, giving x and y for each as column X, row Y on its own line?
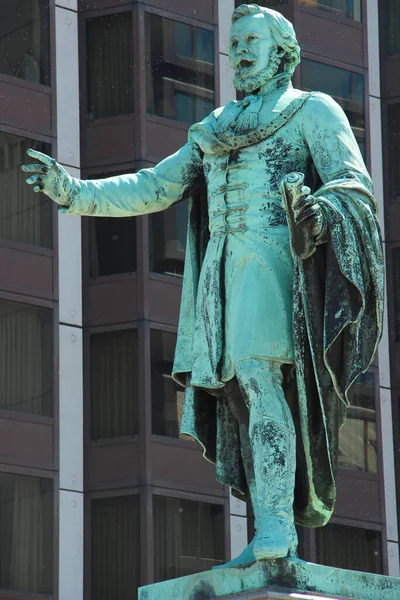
column 284, row 579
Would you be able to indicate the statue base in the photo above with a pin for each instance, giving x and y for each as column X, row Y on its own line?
column 276, row 580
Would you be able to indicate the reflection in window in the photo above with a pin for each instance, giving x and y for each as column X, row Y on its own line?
column 347, row 8
column 346, row 87
column 349, row 548
column 166, row 395
column 115, row 548
column 26, row 365
column 25, row 40
column 26, row 533
column 168, row 240
column 114, row 384
column 396, row 290
column 109, row 65
column 24, row 216
column 394, row 147
column 392, row 23
column 180, row 69
column 266, row 3
column 357, row 438
column 188, row 537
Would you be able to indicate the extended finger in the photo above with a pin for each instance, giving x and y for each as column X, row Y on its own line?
column 34, row 179
column 38, row 188
column 47, row 160
column 35, row 169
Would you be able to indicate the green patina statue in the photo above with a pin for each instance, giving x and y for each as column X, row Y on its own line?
column 283, row 284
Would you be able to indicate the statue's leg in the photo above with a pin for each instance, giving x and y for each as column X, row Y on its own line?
column 273, row 458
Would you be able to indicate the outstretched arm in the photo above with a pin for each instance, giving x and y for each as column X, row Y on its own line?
column 149, row 190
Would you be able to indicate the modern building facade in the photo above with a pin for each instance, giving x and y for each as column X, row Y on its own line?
column 98, row 492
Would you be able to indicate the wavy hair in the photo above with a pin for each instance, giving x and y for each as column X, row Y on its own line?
column 281, row 30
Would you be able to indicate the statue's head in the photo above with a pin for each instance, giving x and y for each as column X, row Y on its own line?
column 261, row 42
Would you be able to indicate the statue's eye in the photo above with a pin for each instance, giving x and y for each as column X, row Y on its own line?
column 234, row 43
column 250, row 38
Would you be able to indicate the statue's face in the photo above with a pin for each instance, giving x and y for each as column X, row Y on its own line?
column 251, row 46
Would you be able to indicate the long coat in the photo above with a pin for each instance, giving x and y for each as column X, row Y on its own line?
column 337, row 323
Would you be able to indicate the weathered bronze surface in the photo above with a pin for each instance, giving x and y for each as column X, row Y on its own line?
column 283, row 286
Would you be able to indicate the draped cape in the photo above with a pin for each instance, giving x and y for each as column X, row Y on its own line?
column 337, row 324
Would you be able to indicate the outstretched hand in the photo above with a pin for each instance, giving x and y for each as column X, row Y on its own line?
column 49, row 177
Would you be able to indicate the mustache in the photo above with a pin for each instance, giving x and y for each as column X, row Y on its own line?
column 247, row 58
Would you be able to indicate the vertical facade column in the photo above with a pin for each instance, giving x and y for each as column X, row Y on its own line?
column 386, row 433
column 238, row 509
column 71, row 540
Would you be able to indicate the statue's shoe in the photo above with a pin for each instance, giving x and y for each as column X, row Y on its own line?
column 245, row 557
column 276, row 538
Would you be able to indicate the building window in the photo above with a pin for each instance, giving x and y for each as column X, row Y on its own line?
column 166, row 396
column 394, row 147
column 26, row 533
column 188, row 537
column 180, row 69
column 357, row 438
column 112, row 246
column 349, row 548
column 114, row 384
column 347, row 8
column 115, row 548
column 26, row 367
column 24, row 216
column 396, row 290
column 392, row 22
column 266, row 3
column 25, row 40
column 109, row 65
column 346, row 87
column 168, row 240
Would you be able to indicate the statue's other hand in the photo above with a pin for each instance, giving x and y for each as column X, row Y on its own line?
column 49, row 177
column 309, row 214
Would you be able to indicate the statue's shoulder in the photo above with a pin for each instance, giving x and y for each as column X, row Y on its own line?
column 321, row 106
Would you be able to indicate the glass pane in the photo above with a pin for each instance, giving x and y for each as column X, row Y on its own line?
column 25, row 40
column 109, row 65
column 26, row 533
column 188, row 537
column 266, row 3
column 392, row 26
column 346, row 8
column 115, row 548
column 357, row 438
column 346, row 87
column 167, row 396
column 168, row 240
column 396, row 290
column 114, row 384
column 24, row 216
column 26, row 368
column 112, row 246
column 349, row 548
column 394, row 147
column 180, row 68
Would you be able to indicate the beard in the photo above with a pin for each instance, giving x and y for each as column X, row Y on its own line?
column 244, row 81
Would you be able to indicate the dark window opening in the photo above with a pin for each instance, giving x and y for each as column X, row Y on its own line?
column 114, row 384
column 180, row 69
column 26, row 533
column 26, row 366
column 392, row 26
column 396, row 290
column 349, row 548
column 188, row 537
column 115, row 548
column 109, row 65
column 112, row 246
column 24, row 215
column 167, row 396
column 168, row 240
column 25, row 40
column 394, row 148
column 346, row 87
column 357, row 438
